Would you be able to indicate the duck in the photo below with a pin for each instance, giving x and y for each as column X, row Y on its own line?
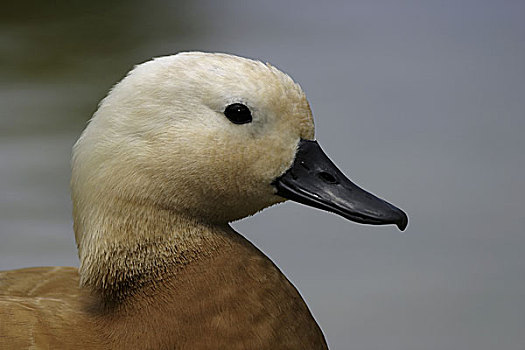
column 179, row 148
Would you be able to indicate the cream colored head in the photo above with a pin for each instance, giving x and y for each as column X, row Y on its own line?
column 160, row 138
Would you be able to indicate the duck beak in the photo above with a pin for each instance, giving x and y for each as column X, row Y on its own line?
column 314, row 180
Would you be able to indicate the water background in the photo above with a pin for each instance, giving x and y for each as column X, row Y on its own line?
column 420, row 102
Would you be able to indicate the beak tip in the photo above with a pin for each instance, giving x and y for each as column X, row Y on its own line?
column 402, row 223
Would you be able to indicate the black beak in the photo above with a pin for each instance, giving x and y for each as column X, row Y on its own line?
column 315, row 181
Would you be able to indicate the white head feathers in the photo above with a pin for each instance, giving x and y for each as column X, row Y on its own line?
column 160, row 139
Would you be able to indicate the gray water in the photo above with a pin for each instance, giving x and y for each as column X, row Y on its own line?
column 420, row 102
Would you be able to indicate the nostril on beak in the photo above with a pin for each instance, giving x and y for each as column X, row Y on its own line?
column 327, row 177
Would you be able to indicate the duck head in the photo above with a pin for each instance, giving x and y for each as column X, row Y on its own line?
column 214, row 137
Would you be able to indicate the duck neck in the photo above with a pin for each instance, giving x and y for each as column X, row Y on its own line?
column 124, row 246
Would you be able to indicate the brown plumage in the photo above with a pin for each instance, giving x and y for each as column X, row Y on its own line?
column 233, row 298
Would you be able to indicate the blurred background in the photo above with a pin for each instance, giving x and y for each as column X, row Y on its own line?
column 420, row 102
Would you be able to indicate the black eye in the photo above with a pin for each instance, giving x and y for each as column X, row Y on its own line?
column 238, row 113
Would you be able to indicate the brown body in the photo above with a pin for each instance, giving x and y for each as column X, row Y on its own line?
column 233, row 298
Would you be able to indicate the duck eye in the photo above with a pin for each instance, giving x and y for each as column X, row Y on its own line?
column 238, row 113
